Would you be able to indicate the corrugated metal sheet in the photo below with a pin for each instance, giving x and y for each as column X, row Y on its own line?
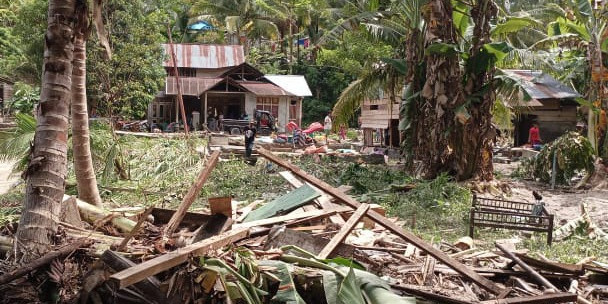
column 264, row 89
column 205, row 56
column 294, row 84
column 190, row 86
column 542, row 86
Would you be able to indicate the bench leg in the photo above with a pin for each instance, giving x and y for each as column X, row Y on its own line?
column 550, row 230
column 471, row 222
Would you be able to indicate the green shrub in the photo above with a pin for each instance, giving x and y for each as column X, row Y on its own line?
column 574, row 153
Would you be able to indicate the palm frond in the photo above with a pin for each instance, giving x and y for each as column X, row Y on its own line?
column 14, row 145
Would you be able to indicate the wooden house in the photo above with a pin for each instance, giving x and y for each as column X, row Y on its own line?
column 215, row 80
column 380, row 122
column 552, row 105
column 6, row 91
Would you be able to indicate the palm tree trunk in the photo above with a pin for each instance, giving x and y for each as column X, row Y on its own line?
column 473, row 147
column 83, row 162
column 47, row 166
column 441, row 91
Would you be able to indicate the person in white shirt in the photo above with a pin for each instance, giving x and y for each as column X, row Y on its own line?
column 327, row 125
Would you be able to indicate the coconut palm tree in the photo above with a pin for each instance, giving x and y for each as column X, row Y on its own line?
column 86, row 182
column 47, row 168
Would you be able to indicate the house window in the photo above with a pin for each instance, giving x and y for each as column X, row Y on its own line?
column 373, row 107
column 183, row 72
column 270, row 104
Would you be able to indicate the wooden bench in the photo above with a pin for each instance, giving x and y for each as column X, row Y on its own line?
column 496, row 213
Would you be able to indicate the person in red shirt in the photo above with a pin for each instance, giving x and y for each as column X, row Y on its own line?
column 534, row 135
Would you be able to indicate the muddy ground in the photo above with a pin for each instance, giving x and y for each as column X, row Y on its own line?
column 564, row 203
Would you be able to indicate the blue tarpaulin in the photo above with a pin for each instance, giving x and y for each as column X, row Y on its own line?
column 200, row 26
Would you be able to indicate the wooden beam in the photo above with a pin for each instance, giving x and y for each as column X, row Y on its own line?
column 383, row 221
column 135, row 229
column 293, row 216
column 193, row 192
column 541, row 299
column 159, row 264
column 535, row 275
column 344, row 231
column 149, row 286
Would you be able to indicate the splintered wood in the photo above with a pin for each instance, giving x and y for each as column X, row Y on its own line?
column 206, row 255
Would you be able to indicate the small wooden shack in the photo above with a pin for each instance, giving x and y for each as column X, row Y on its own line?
column 380, row 122
column 6, row 91
column 552, row 105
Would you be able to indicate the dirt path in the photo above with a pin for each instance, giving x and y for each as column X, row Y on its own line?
column 6, row 179
column 564, row 203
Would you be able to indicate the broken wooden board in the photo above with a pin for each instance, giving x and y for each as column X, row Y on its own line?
column 280, row 236
column 191, row 220
column 220, row 205
column 541, row 299
column 386, row 223
column 193, row 192
column 283, row 204
column 149, row 286
column 551, row 266
column 344, row 231
column 288, row 217
column 151, row 267
column 217, row 224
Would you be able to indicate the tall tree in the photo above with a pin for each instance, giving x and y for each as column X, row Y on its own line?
column 86, row 182
column 47, row 166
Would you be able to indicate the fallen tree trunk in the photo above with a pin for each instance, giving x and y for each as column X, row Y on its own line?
column 92, row 213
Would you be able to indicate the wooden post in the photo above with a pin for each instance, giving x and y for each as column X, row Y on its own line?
column 177, row 82
column 383, row 221
column 344, row 231
column 177, row 217
column 159, row 264
column 205, row 111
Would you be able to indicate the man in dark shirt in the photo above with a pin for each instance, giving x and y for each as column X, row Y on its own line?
column 249, row 133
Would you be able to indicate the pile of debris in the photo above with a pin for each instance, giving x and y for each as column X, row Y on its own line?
column 314, row 244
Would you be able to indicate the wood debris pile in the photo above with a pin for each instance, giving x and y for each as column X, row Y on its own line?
column 313, row 245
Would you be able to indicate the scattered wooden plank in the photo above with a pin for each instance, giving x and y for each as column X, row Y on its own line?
column 550, row 265
column 283, row 204
column 220, row 205
column 280, row 236
column 344, row 231
column 217, row 224
column 428, row 295
column 541, row 299
column 149, row 286
column 535, row 275
column 193, row 192
column 45, row 259
column 151, row 267
column 284, row 218
column 383, row 221
column 135, row 229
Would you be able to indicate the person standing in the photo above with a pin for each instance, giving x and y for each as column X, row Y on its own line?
column 249, row 132
column 534, row 135
column 327, row 124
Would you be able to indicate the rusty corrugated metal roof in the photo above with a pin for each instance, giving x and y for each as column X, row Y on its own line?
column 542, row 86
column 264, row 89
column 191, row 86
column 205, row 56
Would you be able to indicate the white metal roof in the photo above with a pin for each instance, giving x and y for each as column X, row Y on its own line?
column 294, row 84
